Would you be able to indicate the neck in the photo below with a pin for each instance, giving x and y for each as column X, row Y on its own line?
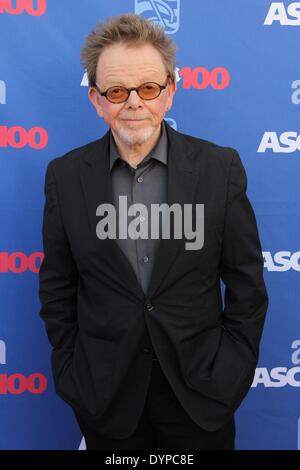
column 135, row 153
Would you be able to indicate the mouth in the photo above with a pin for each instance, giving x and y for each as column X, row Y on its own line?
column 133, row 120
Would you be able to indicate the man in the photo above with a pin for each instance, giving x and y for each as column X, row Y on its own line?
column 143, row 349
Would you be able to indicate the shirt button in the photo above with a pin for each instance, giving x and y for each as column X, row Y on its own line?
column 140, row 179
column 146, row 350
column 149, row 307
column 145, row 259
column 142, row 218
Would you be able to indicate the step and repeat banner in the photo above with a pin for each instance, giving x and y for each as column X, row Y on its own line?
column 238, row 81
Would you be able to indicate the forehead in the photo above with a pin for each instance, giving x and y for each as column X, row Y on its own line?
column 123, row 64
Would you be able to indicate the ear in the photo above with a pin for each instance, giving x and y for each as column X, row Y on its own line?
column 94, row 98
column 171, row 91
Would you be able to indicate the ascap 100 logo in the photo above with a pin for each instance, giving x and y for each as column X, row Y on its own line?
column 19, row 262
column 199, row 78
column 17, row 383
column 284, row 15
column 280, row 376
column 18, row 137
column 16, row 7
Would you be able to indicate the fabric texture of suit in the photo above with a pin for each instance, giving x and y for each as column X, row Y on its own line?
column 102, row 326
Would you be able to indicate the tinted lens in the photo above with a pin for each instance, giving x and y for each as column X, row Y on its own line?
column 117, row 94
column 149, row 91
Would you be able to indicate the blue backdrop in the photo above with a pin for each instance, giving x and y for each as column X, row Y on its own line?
column 239, row 86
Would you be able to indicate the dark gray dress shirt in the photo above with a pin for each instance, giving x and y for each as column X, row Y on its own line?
column 147, row 184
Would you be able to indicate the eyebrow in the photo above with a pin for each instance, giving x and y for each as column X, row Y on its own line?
column 121, row 83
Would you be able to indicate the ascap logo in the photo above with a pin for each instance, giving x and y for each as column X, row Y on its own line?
column 2, row 92
column 164, row 12
column 82, row 445
column 177, row 74
column 287, row 142
column 285, row 16
column 2, row 352
column 277, row 377
column 296, row 94
column 199, row 78
column 172, row 123
column 32, row 7
column 18, row 137
column 84, row 81
column 280, row 376
column 281, row 261
column 20, row 262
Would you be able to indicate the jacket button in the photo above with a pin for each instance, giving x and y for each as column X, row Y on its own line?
column 149, row 307
column 146, row 350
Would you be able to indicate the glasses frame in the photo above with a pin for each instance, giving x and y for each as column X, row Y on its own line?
column 129, row 90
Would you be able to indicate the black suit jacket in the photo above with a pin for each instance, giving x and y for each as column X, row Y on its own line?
column 102, row 326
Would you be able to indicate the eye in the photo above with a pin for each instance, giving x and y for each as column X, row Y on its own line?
column 149, row 86
column 116, row 90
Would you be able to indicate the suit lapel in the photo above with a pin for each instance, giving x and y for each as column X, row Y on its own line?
column 97, row 189
column 182, row 180
column 96, row 185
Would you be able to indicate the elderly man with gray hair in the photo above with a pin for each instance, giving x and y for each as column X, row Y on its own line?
column 145, row 350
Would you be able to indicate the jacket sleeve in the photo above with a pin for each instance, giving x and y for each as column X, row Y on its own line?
column 246, row 299
column 58, row 279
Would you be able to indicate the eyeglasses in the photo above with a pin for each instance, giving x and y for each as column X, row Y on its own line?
column 146, row 91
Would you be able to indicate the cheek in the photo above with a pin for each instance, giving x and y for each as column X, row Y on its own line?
column 158, row 109
column 110, row 113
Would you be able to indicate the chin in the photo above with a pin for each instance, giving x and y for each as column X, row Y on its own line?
column 132, row 137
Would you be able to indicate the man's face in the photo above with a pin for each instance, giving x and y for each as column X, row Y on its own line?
column 135, row 121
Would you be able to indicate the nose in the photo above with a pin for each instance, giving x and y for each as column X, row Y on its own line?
column 133, row 101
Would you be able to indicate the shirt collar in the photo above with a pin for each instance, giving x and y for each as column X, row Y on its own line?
column 159, row 152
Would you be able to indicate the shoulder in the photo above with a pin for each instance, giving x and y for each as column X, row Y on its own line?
column 219, row 163
column 208, row 148
column 206, row 152
column 73, row 157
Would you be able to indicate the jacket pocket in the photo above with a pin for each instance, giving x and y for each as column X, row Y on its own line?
column 92, row 370
column 64, row 382
column 228, row 378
